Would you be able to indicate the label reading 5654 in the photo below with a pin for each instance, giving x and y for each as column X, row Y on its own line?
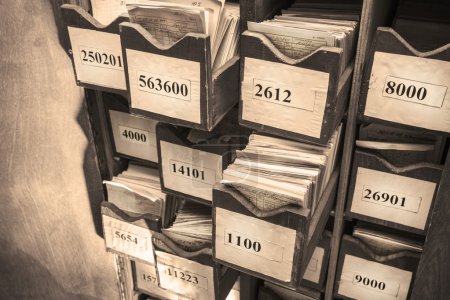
column 164, row 85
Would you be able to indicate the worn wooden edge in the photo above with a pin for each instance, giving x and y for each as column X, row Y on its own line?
column 368, row 20
column 433, row 270
column 255, row 211
column 411, row 48
column 150, row 39
column 269, row 46
column 89, row 21
column 147, row 221
column 318, row 222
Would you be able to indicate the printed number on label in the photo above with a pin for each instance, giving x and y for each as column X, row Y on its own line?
column 187, row 171
column 163, row 86
column 272, row 93
column 367, row 282
column 183, row 275
column 243, row 242
column 384, row 197
column 410, row 91
column 125, row 236
column 101, row 58
column 134, row 135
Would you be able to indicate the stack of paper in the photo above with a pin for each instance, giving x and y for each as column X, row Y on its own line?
column 169, row 21
column 192, row 228
column 106, row 11
column 385, row 243
column 304, row 28
column 138, row 191
column 273, row 172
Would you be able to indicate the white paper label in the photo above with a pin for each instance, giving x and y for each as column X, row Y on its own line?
column 363, row 279
column 410, row 90
column 134, row 136
column 255, row 244
column 164, row 85
column 128, row 239
column 147, row 281
column 393, row 198
column 190, row 171
column 184, row 276
column 291, row 99
column 314, row 267
column 97, row 57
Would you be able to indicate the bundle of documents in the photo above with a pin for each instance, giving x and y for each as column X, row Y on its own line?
column 106, row 11
column 273, row 172
column 192, row 228
column 138, row 191
column 304, row 28
column 169, row 21
column 399, row 146
column 385, row 243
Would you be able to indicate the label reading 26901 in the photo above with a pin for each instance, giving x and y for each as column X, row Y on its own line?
column 163, row 85
column 101, row 58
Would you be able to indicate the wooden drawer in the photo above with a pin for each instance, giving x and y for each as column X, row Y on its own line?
column 193, row 95
column 274, row 245
column 410, row 190
column 191, row 274
column 95, row 50
column 363, row 274
column 302, row 99
column 403, row 86
column 129, row 235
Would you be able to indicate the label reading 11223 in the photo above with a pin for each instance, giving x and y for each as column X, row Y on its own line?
column 186, row 276
column 100, row 58
column 164, row 85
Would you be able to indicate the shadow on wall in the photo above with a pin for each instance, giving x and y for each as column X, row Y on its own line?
column 36, row 277
column 91, row 173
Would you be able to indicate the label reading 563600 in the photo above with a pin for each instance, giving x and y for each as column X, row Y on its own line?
column 164, row 85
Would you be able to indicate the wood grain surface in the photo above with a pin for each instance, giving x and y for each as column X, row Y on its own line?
column 50, row 212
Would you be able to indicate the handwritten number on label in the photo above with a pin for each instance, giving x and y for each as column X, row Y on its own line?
column 170, row 87
column 400, row 89
column 183, row 276
column 246, row 243
column 101, row 58
column 384, row 197
column 271, row 93
column 126, row 237
column 132, row 135
column 370, row 282
column 188, row 171
column 149, row 278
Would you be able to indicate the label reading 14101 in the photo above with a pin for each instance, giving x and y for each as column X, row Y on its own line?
column 100, row 58
column 164, row 85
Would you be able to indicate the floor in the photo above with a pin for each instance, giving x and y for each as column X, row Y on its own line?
column 50, row 187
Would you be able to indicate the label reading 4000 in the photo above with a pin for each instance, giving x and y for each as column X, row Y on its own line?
column 164, row 85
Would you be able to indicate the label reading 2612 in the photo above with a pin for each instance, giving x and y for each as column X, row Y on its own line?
column 101, row 58
column 164, row 85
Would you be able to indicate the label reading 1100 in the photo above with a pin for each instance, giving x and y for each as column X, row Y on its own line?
column 100, row 58
column 164, row 85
